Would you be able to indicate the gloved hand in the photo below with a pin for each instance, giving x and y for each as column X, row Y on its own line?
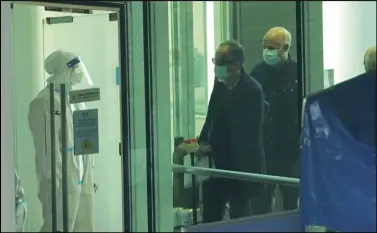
column 203, row 150
column 186, row 148
column 183, row 149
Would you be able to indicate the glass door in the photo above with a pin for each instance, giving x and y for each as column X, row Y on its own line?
column 95, row 200
column 71, row 70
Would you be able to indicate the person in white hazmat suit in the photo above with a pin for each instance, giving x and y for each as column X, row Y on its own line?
column 67, row 68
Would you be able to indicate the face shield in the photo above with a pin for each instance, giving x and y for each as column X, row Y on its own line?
column 79, row 79
column 79, row 74
column 68, row 68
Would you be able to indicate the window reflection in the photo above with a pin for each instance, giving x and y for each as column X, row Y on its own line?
column 189, row 65
column 200, row 31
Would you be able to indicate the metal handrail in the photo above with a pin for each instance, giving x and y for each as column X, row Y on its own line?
column 201, row 171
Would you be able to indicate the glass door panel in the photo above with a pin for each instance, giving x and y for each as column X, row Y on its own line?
column 97, row 203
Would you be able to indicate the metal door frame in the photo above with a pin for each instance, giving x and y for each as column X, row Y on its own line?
column 125, row 147
column 148, row 22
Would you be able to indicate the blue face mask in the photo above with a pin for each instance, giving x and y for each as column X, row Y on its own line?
column 271, row 56
column 221, row 73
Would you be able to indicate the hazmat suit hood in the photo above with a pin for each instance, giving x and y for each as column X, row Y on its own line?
column 66, row 68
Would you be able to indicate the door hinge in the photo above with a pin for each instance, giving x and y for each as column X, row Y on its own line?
column 120, row 149
column 113, row 16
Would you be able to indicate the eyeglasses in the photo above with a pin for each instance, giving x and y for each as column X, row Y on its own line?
column 221, row 62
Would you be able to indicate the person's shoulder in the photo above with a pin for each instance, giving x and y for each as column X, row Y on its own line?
column 260, row 67
column 292, row 68
column 259, row 71
column 251, row 83
column 293, row 63
column 293, row 60
column 261, row 64
column 217, row 85
column 40, row 98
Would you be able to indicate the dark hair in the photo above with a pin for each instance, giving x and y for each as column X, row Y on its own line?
column 235, row 50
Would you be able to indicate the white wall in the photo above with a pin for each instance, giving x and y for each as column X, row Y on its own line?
column 349, row 28
column 7, row 122
column 28, row 81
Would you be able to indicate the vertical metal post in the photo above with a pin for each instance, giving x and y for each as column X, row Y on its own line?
column 194, row 193
column 236, row 21
column 53, row 158
column 63, row 107
column 300, row 35
column 149, row 91
column 301, row 72
column 125, row 113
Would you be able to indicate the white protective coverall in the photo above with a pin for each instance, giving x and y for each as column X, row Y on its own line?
column 21, row 208
column 67, row 68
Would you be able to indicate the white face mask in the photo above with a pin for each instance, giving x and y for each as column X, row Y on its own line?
column 221, row 73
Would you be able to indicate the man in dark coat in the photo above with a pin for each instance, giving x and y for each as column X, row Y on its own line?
column 277, row 74
column 232, row 134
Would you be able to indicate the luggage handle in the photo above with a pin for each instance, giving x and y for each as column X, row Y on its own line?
column 194, row 187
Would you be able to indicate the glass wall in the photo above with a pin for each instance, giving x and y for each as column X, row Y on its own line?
column 92, row 198
column 189, row 33
column 195, row 35
column 289, row 51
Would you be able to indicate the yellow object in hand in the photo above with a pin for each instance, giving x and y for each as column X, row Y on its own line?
column 188, row 148
column 185, row 148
